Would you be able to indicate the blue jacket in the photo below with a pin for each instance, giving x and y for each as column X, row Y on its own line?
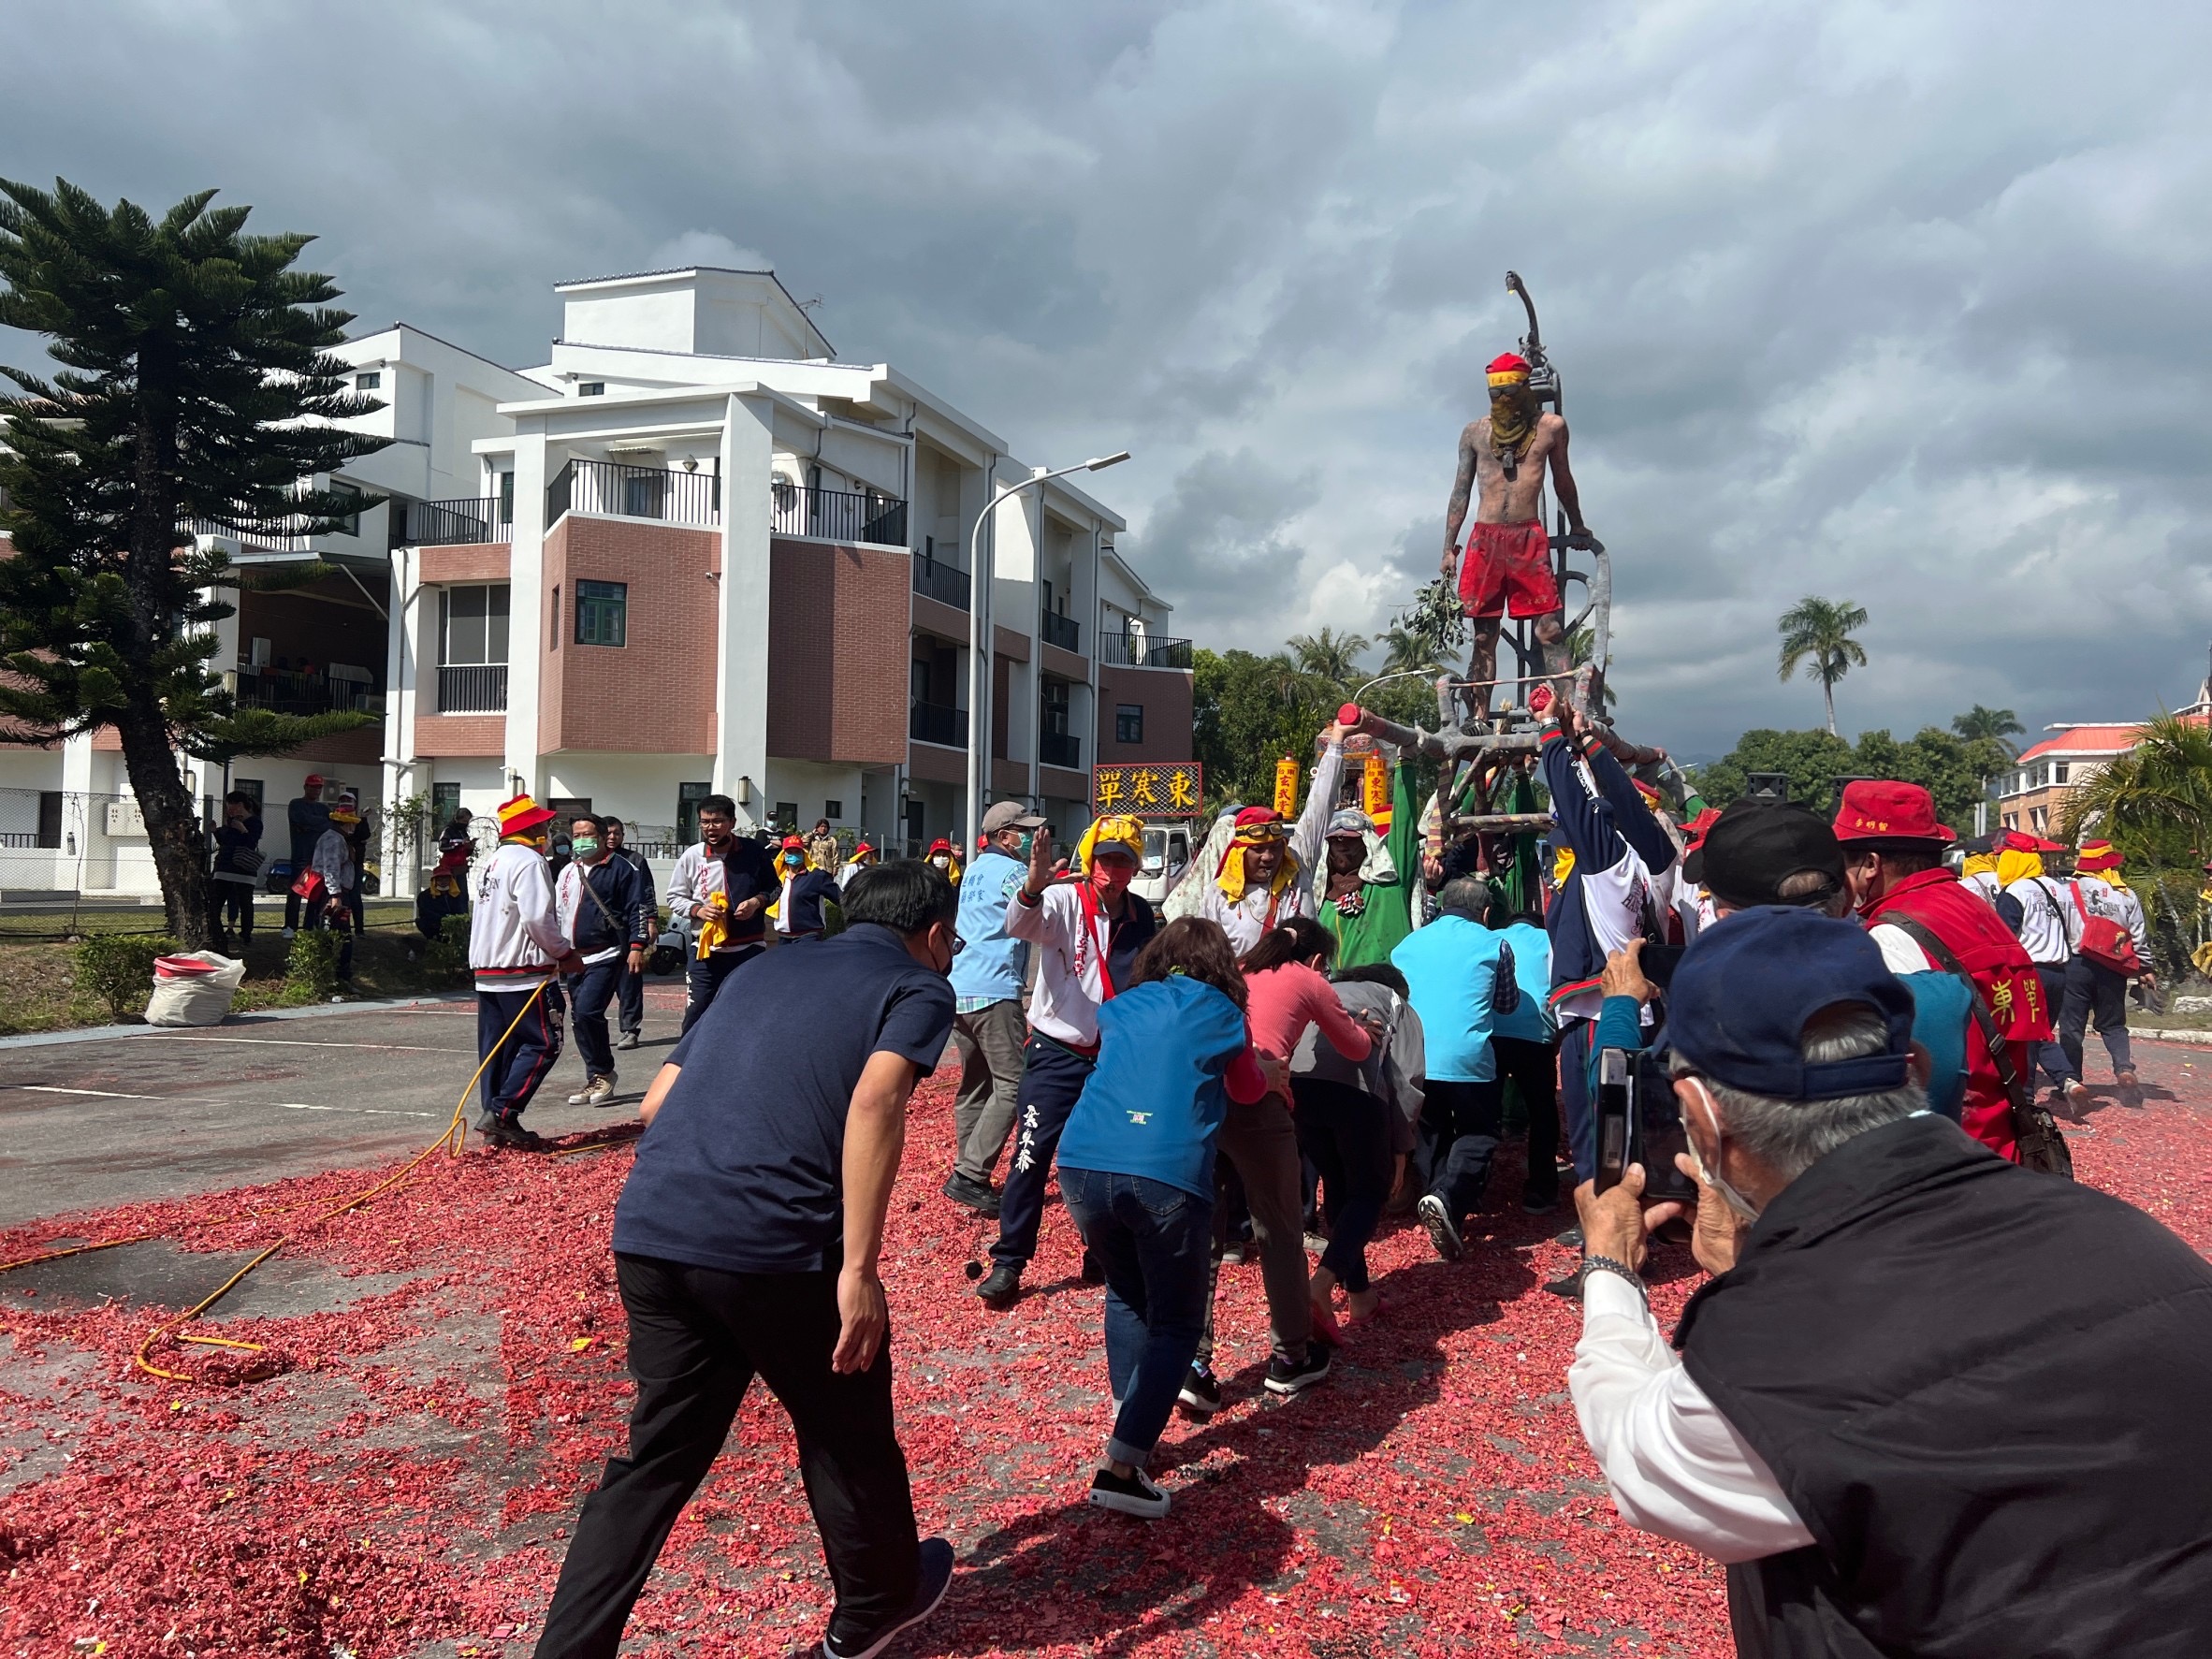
column 1597, row 829
column 1154, row 1103
column 990, row 967
column 1532, row 973
column 1459, row 977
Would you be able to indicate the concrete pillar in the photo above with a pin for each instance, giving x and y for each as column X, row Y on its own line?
column 536, row 461
column 741, row 621
column 402, row 777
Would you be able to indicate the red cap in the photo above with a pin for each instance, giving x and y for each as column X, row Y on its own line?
column 1507, row 363
column 1697, row 827
column 1887, row 810
column 793, row 844
column 940, row 845
column 1649, row 791
column 310, row 778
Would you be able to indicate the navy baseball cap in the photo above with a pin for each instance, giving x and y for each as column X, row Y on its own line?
column 1743, row 993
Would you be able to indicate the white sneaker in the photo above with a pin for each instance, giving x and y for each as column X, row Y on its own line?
column 290, row 931
column 595, row 1093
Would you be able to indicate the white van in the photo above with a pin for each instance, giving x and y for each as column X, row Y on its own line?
column 1168, row 844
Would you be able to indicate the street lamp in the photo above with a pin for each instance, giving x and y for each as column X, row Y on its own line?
column 978, row 636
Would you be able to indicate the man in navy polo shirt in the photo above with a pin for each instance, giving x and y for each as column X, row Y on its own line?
column 746, row 1242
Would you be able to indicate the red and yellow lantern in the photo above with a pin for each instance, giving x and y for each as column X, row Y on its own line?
column 1286, row 787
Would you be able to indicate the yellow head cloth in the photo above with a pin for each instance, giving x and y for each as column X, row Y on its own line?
column 1231, row 877
column 2017, row 867
column 1121, row 829
column 2111, row 878
column 1978, row 863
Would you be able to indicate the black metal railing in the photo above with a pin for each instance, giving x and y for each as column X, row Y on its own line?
column 287, row 691
column 933, row 723
column 445, row 524
column 284, row 540
column 836, row 515
column 1059, row 748
column 620, row 489
column 945, row 583
column 471, row 687
column 1062, row 632
column 1142, row 651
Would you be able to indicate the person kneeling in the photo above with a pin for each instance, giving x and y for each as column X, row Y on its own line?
column 1136, row 1166
column 1932, row 1403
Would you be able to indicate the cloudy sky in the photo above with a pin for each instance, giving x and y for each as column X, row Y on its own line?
column 1900, row 304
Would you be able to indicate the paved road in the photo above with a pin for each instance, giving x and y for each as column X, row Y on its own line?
column 166, row 1113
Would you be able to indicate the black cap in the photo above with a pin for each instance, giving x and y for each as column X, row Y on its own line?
column 1755, row 846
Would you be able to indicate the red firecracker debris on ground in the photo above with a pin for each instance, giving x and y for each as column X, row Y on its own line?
column 394, row 1470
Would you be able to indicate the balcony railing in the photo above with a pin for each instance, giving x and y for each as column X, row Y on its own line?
column 945, row 583
column 838, row 515
column 618, row 489
column 932, row 723
column 1062, row 632
column 473, row 688
column 445, row 524
column 284, row 691
column 1059, row 748
column 1142, row 651
column 284, row 540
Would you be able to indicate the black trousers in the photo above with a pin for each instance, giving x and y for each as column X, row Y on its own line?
column 2099, row 992
column 1053, row 1076
column 703, row 978
column 697, row 1339
column 1461, row 1126
column 1344, row 1133
column 1533, row 1066
column 630, row 998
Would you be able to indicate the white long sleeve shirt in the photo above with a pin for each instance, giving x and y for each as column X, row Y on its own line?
column 515, row 936
column 1247, row 919
column 1071, row 958
column 2115, row 904
column 1675, row 1464
column 2050, row 926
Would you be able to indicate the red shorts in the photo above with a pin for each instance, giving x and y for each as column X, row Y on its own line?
column 1508, row 571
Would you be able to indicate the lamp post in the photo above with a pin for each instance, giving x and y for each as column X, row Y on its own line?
column 979, row 637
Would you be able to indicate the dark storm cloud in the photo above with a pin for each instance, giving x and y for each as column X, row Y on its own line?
column 1895, row 303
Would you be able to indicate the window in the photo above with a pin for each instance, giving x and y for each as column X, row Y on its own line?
column 643, row 495
column 472, row 625
column 1052, row 704
column 687, row 796
column 506, row 497
column 351, row 523
column 832, row 810
column 787, row 817
column 591, row 388
column 2039, row 816
column 444, row 803
column 369, row 382
column 553, row 633
column 1128, row 722
column 603, row 612
column 2060, row 769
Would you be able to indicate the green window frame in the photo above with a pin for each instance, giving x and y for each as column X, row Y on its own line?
column 603, row 612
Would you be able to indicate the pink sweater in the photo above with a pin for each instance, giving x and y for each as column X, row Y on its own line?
column 1283, row 1001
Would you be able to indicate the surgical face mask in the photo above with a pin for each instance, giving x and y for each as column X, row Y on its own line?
column 793, row 860
column 1024, row 845
column 583, row 845
column 1736, row 1201
column 942, row 862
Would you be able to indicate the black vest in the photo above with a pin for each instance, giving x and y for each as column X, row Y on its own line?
column 1987, row 1393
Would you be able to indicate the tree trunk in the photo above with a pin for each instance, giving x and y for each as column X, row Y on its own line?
column 172, row 823
column 1827, row 692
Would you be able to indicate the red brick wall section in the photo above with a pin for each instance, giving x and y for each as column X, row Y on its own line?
column 483, row 562
column 460, row 734
column 1164, row 694
column 928, row 763
column 837, row 652
column 655, row 693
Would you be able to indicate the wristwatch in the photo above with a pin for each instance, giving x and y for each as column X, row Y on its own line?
column 1608, row 1264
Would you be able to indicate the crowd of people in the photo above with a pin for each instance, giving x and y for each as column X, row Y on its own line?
column 1893, row 1449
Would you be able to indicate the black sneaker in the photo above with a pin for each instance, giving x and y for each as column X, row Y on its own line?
column 507, row 1132
column 978, row 1196
column 1569, row 1287
column 1201, row 1392
column 1235, row 1253
column 1002, row 1287
column 1539, row 1204
column 1283, row 1377
column 1572, row 1238
column 1134, row 1494
column 1437, row 1220
column 935, row 1579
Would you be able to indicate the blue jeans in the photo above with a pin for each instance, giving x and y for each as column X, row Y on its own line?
column 1155, row 1242
column 589, row 993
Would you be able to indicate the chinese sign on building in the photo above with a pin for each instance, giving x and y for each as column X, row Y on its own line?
column 1148, row 789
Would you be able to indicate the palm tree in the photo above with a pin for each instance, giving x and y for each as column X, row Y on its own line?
column 1407, row 652
column 1580, row 643
column 1816, row 634
column 1330, row 655
column 2156, row 800
column 1999, row 725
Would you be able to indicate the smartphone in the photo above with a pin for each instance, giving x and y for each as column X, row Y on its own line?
column 1639, row 1121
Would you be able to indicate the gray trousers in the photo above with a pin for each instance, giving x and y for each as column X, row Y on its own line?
column 1261, row 1141
column 989, row 1042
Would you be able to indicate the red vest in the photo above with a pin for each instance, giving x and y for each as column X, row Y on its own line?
column 2001, row 972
